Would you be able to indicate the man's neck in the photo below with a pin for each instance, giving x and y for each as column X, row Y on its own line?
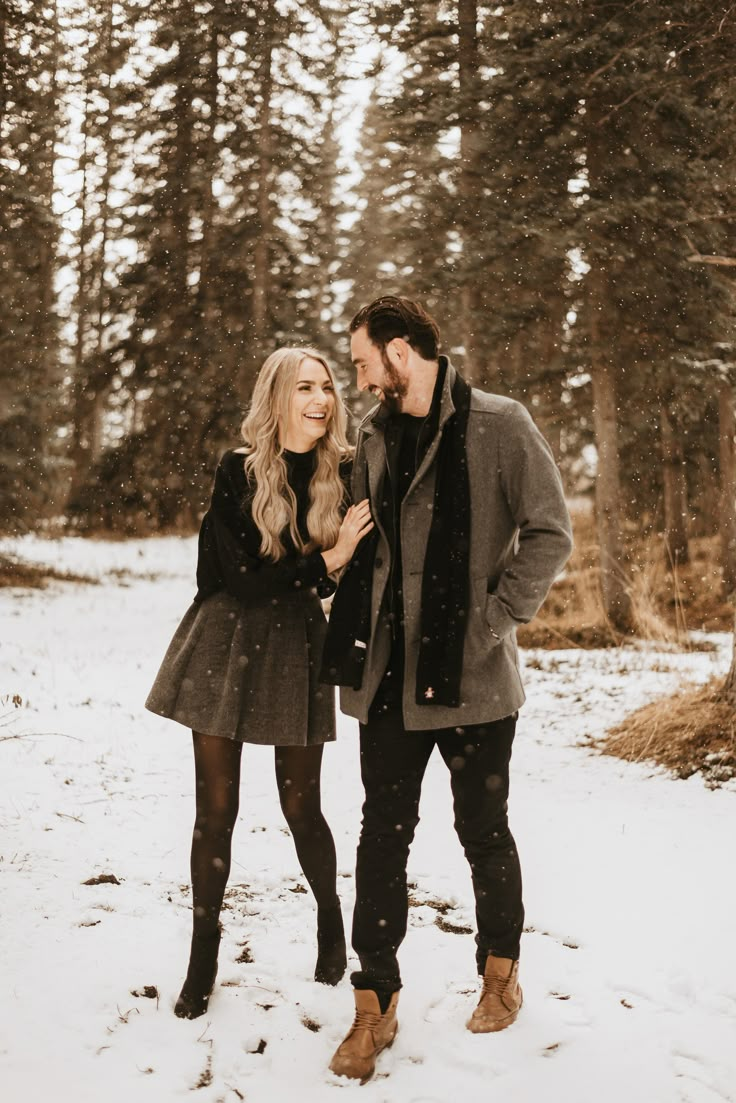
column 418, row 398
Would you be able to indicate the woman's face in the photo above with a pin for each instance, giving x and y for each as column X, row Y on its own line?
column 311, row 407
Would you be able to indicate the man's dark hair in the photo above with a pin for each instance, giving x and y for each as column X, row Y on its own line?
column 391, row 316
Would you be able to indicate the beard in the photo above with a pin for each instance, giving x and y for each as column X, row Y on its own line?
column 394, row 388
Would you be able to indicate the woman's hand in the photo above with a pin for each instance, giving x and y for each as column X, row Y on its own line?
column 355, row 525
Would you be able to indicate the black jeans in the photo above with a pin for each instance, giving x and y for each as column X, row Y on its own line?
column 393, row 762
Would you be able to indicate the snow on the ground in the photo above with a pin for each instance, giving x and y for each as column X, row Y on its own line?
column 628, row 963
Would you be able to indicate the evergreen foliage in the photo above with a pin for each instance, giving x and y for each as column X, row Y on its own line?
column 596, row 152
column 29, row 333
column 228, row 124
column 552, row 180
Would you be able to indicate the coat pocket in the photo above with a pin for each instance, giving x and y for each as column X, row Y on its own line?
column 478, row 626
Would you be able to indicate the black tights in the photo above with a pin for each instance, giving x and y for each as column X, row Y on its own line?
column 217, row 771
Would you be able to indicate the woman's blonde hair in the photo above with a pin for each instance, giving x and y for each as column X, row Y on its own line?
column 274, row 502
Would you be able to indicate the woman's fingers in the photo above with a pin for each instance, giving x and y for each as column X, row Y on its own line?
column 357, row 515
column 363, row 531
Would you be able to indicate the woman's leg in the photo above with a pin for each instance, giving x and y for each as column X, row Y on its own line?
column 217, row 776
column 298, row 779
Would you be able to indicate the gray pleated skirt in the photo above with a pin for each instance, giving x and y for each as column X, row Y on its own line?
column 248, row 674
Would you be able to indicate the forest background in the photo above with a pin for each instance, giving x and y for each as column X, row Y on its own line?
column 186, row 185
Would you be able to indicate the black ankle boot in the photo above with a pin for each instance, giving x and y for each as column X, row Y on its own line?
column 200, row 980
column 331, row 956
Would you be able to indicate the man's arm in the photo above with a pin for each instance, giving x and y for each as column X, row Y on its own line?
column 533, row 490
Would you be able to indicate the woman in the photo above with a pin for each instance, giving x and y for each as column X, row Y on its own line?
column 242, row 666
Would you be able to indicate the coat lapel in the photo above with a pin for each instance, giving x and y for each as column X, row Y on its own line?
column 375, row 458
column 447, row 409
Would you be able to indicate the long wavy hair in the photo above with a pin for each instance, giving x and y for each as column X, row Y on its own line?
column 274, row 502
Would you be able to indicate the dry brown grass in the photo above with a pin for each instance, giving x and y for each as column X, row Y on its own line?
column 667, row 604
column 14, row 572
column 688, row 732
column 573, row 614
column 701, row 590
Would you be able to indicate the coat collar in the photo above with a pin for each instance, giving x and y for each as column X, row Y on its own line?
column 376, row 418
column 373, row 429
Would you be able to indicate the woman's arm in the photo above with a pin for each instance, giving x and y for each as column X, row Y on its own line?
column 229, row 547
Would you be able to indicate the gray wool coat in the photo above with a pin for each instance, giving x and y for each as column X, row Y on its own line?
column 520, row 538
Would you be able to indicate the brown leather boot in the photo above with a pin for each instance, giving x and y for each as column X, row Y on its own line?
column 501, row 998
column 370, row 1033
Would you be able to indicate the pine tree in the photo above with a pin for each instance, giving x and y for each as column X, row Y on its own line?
column 29, row 337
column 603, row 131
column 99, row 46
column 227, row 120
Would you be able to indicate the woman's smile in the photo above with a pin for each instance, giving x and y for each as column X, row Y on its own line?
column 311, row 406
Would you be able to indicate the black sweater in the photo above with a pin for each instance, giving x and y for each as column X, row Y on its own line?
column 229, row 540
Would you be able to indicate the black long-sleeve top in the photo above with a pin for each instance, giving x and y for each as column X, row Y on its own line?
column 229, row 541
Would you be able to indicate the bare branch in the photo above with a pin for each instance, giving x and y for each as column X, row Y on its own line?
column 618, row 106
column 723, row 262
column 705, row 218
column 705, row 258
column 435, row 32
column 720, row 25
column 624, row 49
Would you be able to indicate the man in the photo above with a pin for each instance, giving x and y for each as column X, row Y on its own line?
column 471, row 530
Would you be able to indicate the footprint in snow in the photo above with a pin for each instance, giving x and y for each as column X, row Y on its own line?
column 698, row 1078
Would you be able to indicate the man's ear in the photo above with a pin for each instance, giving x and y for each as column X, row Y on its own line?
column 400, row 348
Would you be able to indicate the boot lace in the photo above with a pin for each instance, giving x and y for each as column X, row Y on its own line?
column 495, row 986
column 368, row 1020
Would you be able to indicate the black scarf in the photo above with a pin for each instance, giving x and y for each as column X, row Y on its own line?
column 445, row 581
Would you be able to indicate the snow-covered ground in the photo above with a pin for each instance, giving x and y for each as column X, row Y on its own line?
column 628, row 963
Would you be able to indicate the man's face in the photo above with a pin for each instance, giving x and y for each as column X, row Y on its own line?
column 376, row 372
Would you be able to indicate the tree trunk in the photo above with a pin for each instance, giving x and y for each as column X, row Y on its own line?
column 705, row 509
column 46, row 324
column 179, row 181
column 82, row 399
column 205, row 296
column 675, row 490
column 92, row 375
column 104, row 370
column 727, row 451
column 3, row 64
column 614, row 580
column 728, row 690
column 470, row 187
column 551, row 423
column 262, row 250
column 101, row 296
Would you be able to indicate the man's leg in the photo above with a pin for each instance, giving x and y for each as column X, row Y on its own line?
column 392, row 763
column 478, row 757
